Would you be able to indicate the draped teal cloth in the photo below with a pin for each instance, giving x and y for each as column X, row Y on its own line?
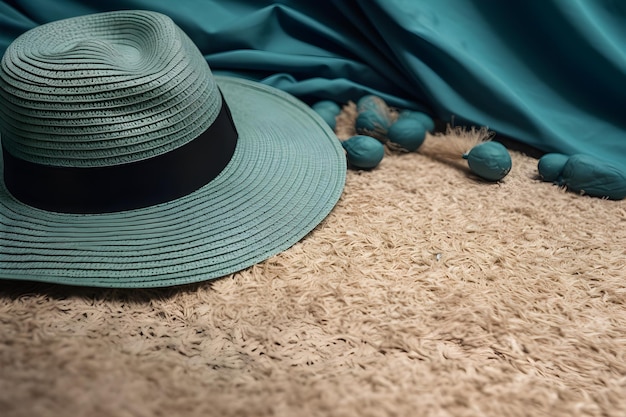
column 550, row 74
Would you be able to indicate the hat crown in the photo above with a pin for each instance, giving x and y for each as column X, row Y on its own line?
column 104, row 90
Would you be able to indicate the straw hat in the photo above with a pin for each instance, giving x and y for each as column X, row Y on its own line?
column 126, row 163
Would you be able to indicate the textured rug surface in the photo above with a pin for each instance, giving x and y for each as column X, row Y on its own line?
column 426, row 292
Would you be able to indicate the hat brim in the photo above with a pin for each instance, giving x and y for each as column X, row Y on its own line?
column 287, row 173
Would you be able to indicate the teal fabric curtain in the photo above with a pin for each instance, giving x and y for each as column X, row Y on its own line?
column 548, row 73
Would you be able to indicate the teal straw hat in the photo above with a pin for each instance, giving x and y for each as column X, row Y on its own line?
column 126, row 163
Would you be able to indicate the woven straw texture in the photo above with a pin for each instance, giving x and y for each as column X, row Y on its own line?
column 120, row 87
column 104, row 89
column 424, row 293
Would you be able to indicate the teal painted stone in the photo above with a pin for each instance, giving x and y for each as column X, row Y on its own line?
column 371, row 121
column 408, row 133
column 329, row 118
column 371, row 102
column 489, row 160
column 550, row 166
column 426, row 120
column 591, row 176
column 327, row 105
column 328, row 110
column 363, row 152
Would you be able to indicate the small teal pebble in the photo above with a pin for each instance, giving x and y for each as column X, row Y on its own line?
column 489, row 160
column 329, row 118
column 371, row 102
column 328, row 110
column 591, row 176
column 408, row 132
column 426, row 120
column 371, row 121
column 550, row 166
column 363, row 152
column 327, row 105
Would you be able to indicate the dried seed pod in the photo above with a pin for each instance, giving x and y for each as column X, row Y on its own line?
column 372, row 102
column 550, row 166
column 407, row 133
column 489, row 160
column 328, row 110
column 363, row 152
column 426, row 120
column 371, row 123
column 588, row 175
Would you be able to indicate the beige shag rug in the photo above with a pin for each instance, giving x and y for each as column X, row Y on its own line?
column 425, row 293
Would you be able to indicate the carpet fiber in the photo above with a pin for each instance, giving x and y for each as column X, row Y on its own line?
column 425, row 292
